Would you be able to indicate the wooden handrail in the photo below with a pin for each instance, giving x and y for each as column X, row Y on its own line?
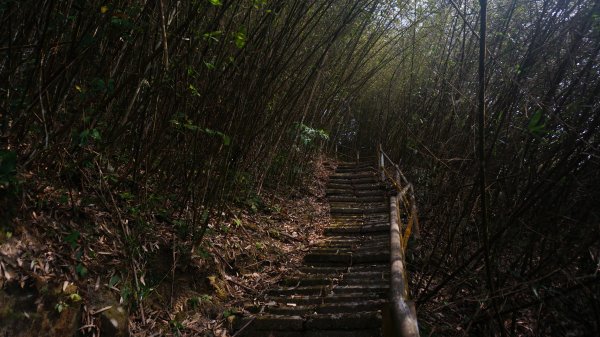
column 404, row 317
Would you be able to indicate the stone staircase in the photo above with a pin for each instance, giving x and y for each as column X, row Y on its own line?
column 342, row 289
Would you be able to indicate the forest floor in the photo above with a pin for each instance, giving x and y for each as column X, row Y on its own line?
column 66, row 270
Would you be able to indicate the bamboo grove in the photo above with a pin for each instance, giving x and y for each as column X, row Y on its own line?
column 189, row 105
column 541, row 157
column 204, row 99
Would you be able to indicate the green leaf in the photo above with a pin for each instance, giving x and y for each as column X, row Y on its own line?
column 226, row 140
column 212, row 36
column 535, row 119
column 215, row 2
column 114, row 280
column 193, row 90
column 240, row 39
column 72, row 239
column 224, row 137
column 209, row 65
column 191, row 127
column 95, row 134
column 60, row 306
column 536, row 126
column 81, row 270
column 75, row 297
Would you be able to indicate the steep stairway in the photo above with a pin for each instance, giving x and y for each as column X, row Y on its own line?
column 343, row 287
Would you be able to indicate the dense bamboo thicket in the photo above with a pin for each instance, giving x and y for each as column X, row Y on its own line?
column 541, row 160
column 206, row 100
column 179, row 107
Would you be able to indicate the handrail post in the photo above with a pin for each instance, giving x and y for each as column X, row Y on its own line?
column 404, row 320
column 381, row 163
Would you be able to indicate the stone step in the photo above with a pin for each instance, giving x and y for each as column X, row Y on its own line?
column 313, row 333
column 337, row 241
column 354, row 186
column 357, row 256
column 357, row 229
column 329, row 298
column 340, row 219
column 332, row 280
column 328, row 308
column 368, row 275
column 327, row 290
column 354, row 192
column 354, row 199
column 350, row 270
column 363, row 180
column 354, row 210
column 343, row 286
column 354, row 169
column 368, row 193
column 325, row 325
column 359, row 204
column 371, row 220
column 358, row 248
column 352, row 175
column 346, row 258
column 351, row 278
column 357, row 224
column 354, row 164
column 357, row 238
